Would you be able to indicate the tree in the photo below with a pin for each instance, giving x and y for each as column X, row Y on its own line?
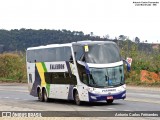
column 122, row 37
column 20, row 40
column 137, row 40
column 106, row 36
column 91, row 33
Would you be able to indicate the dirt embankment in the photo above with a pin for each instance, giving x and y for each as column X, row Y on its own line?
column 149, row 77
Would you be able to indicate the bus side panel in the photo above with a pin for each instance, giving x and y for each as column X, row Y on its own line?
column 83, row 92
column 61, row 91
column 81, row 87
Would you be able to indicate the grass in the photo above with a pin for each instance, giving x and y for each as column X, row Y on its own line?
column 7, row 80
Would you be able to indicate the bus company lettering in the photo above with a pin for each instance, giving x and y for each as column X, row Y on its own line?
column 108, row 90
column 56, row 66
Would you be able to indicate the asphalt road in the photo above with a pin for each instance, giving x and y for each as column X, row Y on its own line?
column 16, row 97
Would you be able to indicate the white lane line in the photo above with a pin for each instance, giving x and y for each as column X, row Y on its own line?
column 142, row 100
column 16, row 98
column 127, row 110
column 6, row 97
column 145, row 95
column 15, row 90
column 111, row 108
column 25, row 99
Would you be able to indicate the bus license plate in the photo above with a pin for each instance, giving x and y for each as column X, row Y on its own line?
column 109, row 97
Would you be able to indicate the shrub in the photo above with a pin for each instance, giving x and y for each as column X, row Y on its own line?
column 12, row 66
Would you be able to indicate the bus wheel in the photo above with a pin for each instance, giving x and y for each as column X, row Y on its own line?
column 40, row 97
column 76, row 98
column 109, row 101
column 45, row 97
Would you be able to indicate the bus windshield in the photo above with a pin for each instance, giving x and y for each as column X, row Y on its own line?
column 102, row 53
column 106, row 77
column 97, row 53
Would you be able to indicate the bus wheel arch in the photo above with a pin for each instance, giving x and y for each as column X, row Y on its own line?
column 45, row 95
column 39, row 93
column 76, row 97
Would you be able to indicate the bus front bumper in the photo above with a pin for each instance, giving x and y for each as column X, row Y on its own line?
column 99, row 97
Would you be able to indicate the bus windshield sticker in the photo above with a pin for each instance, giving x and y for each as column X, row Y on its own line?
column 86, row 48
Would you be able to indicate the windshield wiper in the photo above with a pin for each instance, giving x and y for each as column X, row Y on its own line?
column 107, row 78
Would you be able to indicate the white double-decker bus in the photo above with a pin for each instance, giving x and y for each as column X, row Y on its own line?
column 80, row 71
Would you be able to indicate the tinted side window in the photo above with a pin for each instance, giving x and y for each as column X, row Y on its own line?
column 39, row 55
column 60, row 54
column 67, row 53
column 30, row 78
column 30, row 56
column 78, row 51
column 60, row 78
column 49, row 54
column 63, row 54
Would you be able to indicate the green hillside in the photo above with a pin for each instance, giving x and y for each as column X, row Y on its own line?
column 21, row 39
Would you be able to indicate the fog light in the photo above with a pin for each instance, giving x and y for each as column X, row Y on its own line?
column 93, row 97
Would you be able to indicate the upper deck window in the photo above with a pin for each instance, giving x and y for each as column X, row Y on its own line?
column 49, row 54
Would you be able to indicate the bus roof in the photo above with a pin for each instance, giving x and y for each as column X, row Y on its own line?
column 50, row 46
column 87, row 42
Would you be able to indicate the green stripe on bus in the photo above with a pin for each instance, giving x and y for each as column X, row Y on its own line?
column 48, row 88
column 44, row 67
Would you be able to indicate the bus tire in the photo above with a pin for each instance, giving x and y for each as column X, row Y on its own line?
column 76, row 98
column 109, row 101
column 45, row 97
column 40, row 96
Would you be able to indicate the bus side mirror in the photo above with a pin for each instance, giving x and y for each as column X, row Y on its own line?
column 128, row 65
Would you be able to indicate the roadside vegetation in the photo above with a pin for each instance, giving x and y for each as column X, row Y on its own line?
column 12, row 67
column 143, row 60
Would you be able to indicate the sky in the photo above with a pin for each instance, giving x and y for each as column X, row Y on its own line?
column 102, row 17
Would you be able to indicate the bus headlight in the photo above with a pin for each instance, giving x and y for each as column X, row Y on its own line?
column 124, row 86
column 90, row 89
column 124, row 95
